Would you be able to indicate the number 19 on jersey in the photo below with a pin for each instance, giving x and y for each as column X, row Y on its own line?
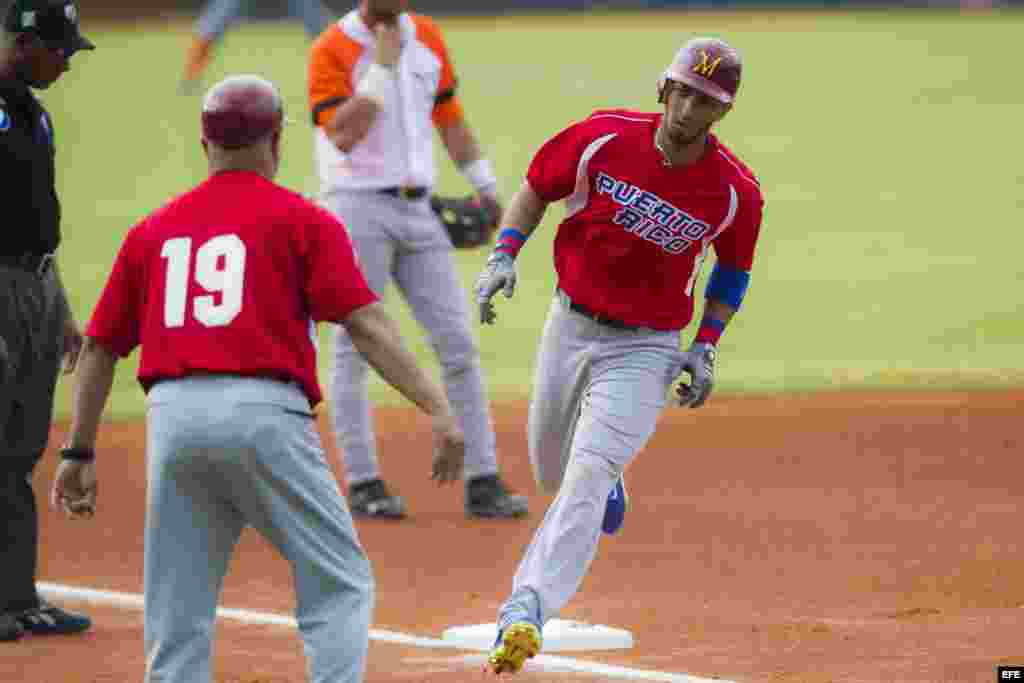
column 219, row 268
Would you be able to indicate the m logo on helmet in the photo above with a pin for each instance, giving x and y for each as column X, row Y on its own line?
column 706, row 67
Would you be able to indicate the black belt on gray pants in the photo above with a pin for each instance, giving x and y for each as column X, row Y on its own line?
column 32, row 261
column 599, row 318
column 410, row 193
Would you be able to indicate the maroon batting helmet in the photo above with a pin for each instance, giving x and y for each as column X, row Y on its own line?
column 241, row 111
column 707, row 64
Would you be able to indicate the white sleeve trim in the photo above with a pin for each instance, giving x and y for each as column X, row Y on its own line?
column 730, row 216
column 575, row 202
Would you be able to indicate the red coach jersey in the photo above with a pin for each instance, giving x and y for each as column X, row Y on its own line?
column 227, row 279
column 636, row 232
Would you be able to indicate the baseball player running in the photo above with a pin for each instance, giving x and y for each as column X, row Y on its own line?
column 220, row 287
column 646, row 195
column 378, row 79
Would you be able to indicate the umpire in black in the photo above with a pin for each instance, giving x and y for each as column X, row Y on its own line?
column 37, row 328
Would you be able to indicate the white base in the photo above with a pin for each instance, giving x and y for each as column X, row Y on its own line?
column 559, row 636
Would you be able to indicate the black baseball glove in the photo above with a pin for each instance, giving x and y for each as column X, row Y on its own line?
column 469, row 223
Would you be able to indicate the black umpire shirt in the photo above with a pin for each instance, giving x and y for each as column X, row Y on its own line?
column 30, row 209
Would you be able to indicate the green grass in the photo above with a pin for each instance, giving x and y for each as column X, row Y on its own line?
column 887, row 146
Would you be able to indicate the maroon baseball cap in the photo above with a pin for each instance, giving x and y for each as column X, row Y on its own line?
column 240, row 111
column 709, row 65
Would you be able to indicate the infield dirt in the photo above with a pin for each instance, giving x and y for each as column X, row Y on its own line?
column 821, row 538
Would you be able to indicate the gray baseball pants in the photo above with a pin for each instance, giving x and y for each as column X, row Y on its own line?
column 402, row 240
column 223, row 453
column 597, row 396
column 218, row 15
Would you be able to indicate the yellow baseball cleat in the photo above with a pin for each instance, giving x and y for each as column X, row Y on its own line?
column 520, row 641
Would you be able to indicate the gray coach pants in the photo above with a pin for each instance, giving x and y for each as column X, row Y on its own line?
column 226, row 452
column 32, row 315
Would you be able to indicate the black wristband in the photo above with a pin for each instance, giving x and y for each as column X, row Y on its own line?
column 78, row 454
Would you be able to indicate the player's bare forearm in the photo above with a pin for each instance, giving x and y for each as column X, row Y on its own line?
column 376, row 336
column 95, row 376
column 499, row 273
column 525, row 211
column 351, row 122
column 460, row 142
column 465, row 152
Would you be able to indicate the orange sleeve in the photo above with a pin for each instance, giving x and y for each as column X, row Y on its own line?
column 447, row 108
column 332, row 61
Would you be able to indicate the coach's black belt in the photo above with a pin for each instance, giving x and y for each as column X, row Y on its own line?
column 32, row 261
column 410, row 193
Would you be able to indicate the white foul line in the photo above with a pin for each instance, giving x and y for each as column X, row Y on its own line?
column 549, row 662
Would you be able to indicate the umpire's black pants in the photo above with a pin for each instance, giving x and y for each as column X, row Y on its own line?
column 32, row 315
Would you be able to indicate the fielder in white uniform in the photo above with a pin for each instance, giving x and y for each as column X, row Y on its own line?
column 380, row 80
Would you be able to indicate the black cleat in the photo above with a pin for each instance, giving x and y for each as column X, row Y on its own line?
column 487, row 496
column 10, row 629
column 371, row 499
column 49, row 620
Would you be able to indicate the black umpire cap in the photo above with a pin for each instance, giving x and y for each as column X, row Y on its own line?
column 54, row 21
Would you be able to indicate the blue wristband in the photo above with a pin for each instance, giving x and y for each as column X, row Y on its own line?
column 728, row 285
column 510, row 241
column 512, row 234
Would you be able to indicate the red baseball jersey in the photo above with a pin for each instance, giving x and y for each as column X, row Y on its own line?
column 636, row 232
column 228, row 278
